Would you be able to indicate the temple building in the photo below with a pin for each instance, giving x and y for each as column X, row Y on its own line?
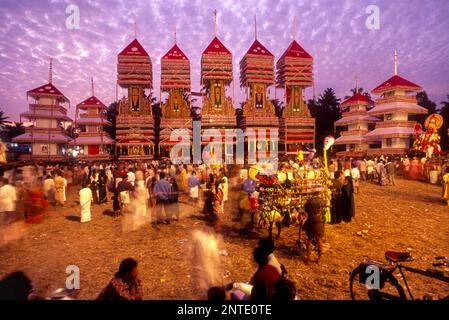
column 294, row 75
column 256, row 75
column 47, row 136
column 396, row 102
column 92, row 142
column 356, row 120
column 217, row 110
column 134, row 122
column 176, row 114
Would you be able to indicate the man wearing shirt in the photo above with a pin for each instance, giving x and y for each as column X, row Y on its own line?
column 193, row 183
column 8, row 199
column 162, row 191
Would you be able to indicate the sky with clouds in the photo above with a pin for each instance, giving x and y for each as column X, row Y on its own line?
column 333, row 32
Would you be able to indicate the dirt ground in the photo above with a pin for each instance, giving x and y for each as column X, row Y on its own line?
column 410, row 216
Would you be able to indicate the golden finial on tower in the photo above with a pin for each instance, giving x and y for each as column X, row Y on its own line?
column 356, row 84
column 92, row 81
column 135, row 30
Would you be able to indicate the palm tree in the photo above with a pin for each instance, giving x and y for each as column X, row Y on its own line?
column 425, row 102
column 360, row 91
column 278, row 107
column 326, row 111
column 3, row 119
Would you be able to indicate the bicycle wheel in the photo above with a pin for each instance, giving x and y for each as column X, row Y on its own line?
column 392, row 289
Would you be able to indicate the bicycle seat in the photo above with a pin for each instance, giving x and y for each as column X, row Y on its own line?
column 397, row 256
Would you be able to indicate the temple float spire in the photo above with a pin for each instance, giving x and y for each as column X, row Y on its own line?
column 294, row 28
column 395, row 62
column 50, row 71
column 255, row 27
column 215, row 24
column 174, row 35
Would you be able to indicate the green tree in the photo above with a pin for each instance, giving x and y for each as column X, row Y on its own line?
column 3, row 119
column 278, row 107
column 157, row 115
column 14, row 131
column 425, row 102
column 325, row 110
column 111, row 115
column 361, row 91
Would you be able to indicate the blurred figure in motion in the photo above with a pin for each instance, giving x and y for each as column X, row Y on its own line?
column 173, row 207
column 35, row 212
column 16, row 286
column 125, row 285
column 60, row 186
column 49, row 189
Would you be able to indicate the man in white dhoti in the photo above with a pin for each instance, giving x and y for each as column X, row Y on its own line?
column 60, row 186
column 86, row 199
column 8, row 198
column 193, row 183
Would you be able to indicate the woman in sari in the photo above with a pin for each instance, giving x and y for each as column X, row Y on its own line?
column 208, row 208
column 347, row 200
column 102, row 183
column 218, row 197
column 184, row 178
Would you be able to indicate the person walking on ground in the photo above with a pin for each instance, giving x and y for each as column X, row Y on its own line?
column 162, row 191
column 60, row 186
column 86, row 199
column 362, row 168
column 49, row 189
column 355, row 175
column 217, row 205
column 336, row 199
column 174, row 200
column 8, row 197
column 102, row 184
column 391, row 172
column 347, row 200
column 314, row 225
column 124, row 188
column 193, row 183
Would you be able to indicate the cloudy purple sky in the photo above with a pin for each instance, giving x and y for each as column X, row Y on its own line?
column 333, row 32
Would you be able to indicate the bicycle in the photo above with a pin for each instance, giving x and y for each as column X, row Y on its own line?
column 388, row 287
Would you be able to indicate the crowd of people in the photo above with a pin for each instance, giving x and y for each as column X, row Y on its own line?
column 141, row 188
column 152, row 190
